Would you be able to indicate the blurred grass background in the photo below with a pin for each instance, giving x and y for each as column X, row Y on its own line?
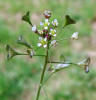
column 19, row 77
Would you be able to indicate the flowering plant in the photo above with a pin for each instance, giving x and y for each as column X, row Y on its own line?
column 47, row 39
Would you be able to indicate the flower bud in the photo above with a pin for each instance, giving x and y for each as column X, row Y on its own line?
column 55, row 23
column 53, row 43
column 75, row 35
column 34, row 28
column 47, row 14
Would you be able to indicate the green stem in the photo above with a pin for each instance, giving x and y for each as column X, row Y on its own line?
column 62, row 62
column 45, row 93
column 43, row 72
column 47, row 78
column 28, row 54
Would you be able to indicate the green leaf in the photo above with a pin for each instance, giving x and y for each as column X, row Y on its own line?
column 26, row 18
column 68, row 21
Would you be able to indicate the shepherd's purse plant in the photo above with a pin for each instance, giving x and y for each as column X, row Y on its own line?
column 47, row 40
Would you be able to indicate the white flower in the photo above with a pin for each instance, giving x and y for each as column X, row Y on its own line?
column 45, row 46
column 46, row 24
column 40, row 31
column 45, row 39
column 55, row 22
column 40, row 38
column 53, row 42
column 46, row 20
column 52, row 32
column 39, row 44
column 46, row 27
column 43, row 42
column 75, row 35
column 41, row 23
column 34, row 28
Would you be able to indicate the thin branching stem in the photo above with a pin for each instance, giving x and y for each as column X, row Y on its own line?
column 58, row 62
column 63, row 39
column 47, row 78
column 44, row 89
column 28, row 54
column 43, row 72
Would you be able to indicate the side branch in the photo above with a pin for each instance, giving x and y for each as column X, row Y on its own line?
column 58, row 62
column 28, row 54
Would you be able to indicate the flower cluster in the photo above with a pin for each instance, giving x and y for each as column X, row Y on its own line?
column 48, row 30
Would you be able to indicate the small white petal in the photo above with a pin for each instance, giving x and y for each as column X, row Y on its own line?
column 45, row 39
column 53, row 42
column 55, row 20
column 46, row 20
column 40, row 38
column 34, row 28
column 48, row 23
column 75, row 35
column 54, row 35
column 55, row 31
column 46, row 28
column 45, row 46
column 39, row 44
column 41, row 23
column 49, row 33
column 40, row 31
column 51, row 29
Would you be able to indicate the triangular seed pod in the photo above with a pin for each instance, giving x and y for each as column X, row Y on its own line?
column 26, row 18
column 68, row 21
